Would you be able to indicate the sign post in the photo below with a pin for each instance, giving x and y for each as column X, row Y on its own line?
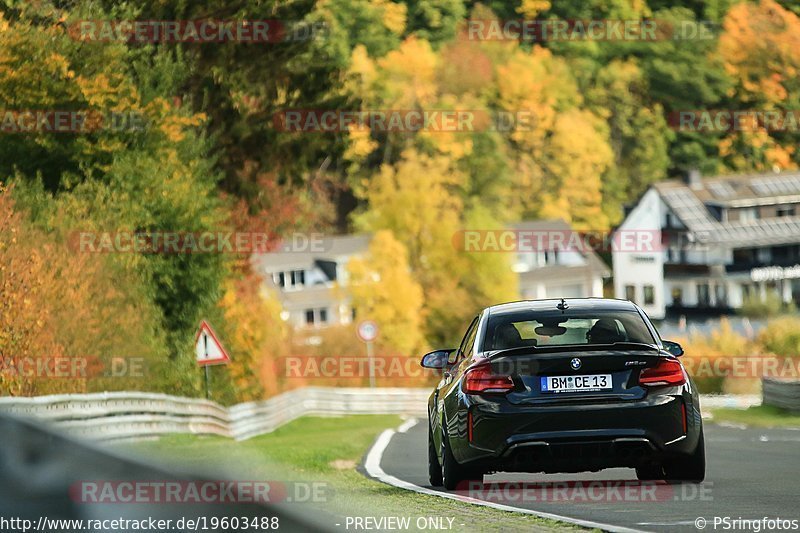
column 209, row 351
column 368, row 332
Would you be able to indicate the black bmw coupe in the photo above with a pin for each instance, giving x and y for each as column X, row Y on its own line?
column 565, row 385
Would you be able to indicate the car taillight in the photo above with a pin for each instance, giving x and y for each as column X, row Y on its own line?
column 481, row 379
column 666, row 372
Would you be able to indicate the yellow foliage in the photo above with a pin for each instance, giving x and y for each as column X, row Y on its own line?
column 394, row 16
column 409, row 75
column 531, row 8
column 760, row 47
column 579, row 154
column 414, row 200
column 383, row 289
column 361, row 144
column 256, row 339
column 56, row 303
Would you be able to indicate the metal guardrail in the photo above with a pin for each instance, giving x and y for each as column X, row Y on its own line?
column 783, row 393
column 124, row 415
column 730, row 401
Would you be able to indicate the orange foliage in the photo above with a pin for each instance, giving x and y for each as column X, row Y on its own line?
column 55, row 305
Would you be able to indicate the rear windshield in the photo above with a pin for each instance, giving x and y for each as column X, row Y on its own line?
column 554, row 328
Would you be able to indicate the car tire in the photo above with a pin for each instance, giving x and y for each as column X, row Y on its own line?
column 452, row 471
column 434, row 468
column 650, row 473
column 692, row 468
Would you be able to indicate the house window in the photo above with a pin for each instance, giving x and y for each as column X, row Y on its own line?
column 316, row 316
column 747, row 291
column 785, row 211
column 677, row 296
column 748, row 214
column 298, row 278
column 720, row 295
column 703, row 295
column 630, row 292
column 290, row 279
column 649, row 295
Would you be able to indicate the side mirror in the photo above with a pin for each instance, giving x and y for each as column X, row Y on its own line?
column 673, row 347
column 436, row 359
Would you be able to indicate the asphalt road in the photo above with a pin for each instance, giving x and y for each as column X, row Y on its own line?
column 752, row 474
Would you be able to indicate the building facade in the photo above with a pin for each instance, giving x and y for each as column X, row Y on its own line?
column 556, row 271
column 312, row 283
column 723, row 240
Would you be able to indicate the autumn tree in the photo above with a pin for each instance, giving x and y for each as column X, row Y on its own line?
column 383, row 289
column 418, row 200
column 760, row 46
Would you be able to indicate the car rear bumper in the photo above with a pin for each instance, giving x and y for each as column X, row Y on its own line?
column 573, row 437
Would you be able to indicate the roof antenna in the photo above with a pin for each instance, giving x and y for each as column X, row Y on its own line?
column 563, row 305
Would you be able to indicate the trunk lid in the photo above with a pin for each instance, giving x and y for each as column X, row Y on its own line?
column 587, row 374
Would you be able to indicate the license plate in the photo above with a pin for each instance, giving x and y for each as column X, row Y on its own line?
column 593, row 382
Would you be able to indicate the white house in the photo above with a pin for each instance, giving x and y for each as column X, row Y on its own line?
column 311, row 282
column 722, row 240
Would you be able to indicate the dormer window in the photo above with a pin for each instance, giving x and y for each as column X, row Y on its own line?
column 748, row 214
column 290, row 279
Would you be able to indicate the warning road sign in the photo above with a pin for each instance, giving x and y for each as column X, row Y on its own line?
column 208, row 350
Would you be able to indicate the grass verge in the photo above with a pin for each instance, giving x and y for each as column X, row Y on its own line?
column 327, row 450
column 757, row 416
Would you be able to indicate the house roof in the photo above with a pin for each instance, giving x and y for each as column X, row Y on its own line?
column 338, row 247
column 594, row 264
column 329, row 248
column 691, row 205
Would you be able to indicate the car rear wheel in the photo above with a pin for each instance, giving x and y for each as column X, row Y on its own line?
column 434, row 468
column 454, row 473
column 451, row 470
column 691, row 469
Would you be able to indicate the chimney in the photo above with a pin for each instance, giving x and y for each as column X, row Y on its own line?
column 694, row 179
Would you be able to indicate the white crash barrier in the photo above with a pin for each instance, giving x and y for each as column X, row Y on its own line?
column 783, row 393
column 126, row 415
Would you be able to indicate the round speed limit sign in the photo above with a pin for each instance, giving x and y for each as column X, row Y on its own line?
column 367, row 330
